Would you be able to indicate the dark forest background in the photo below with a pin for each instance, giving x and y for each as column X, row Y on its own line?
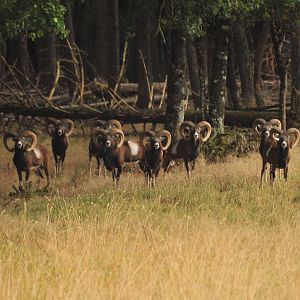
column 206, row 55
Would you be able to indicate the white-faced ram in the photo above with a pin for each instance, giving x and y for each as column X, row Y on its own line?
column 28, row 155
column 59, row 130
column 262, row 129
column 97, row 142
column 278, row 155
column 187, row 147
column 155, row 145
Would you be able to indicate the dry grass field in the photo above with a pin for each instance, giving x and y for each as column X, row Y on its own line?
column 215, row 237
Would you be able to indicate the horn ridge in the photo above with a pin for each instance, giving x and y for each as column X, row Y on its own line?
column 167, row 134
column 29, row 133
column 294, row 131
column 257, row 122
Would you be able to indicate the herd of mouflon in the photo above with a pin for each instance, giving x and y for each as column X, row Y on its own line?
column 152, row 151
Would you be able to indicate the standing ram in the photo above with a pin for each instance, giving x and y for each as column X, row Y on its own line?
column 188, row 145
column 59, row 130
column 155, row 145
column 97, row 142
column 278, row 155
column 262, row 129
column 28, row 155
column 117, row 152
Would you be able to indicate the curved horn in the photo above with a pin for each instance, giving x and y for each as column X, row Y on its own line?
column 33, row 136
column 7, row 136
column 183, row 126
column 117, row 132
column 146, row 137
column 50, row 122
column 70, row 125
column 207, row 126
column 96, row 123
column 167, row 135
column 273, row 132
column 97, row 132
column 113, row 124
column 296, row 133
column 258, row 124
column 275, row 122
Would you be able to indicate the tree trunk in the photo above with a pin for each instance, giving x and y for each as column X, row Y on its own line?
column 24, row 63
column 281, row 69
column 295, row 74
column 176, row 82
column 193, row 66
column 202, row 56
column 84, row 19
column 231, row 83
column 243, row 57
column 144, row 66
column 258, row 59
column 218, row 76
column 113, row 43
column 107, row 55
column 46, row 59
column 66, row 52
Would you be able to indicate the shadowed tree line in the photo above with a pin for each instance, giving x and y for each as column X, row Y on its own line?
column 224, row 52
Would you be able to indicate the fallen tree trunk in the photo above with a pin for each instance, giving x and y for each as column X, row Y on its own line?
column 232, row 118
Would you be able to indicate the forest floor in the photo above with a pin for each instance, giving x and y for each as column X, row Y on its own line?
column 216, row 236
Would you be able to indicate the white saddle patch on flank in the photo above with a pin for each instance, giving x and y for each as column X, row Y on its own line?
column 174, row 149
column 134, row 148
column 37, row 153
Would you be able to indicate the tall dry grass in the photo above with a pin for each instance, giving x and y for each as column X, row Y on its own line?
column 217, row 236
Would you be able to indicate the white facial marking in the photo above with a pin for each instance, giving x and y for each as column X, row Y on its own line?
column 196, row 135
column 284, row 144
column 108, row 143
column 267, row 133
column 156, row 145
column 276, row 137
column 37, row 153
column 134, row 148
column 174, row 149
column 59, row 132
column 19, row 144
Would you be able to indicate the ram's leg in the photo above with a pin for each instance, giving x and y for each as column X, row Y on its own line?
column 119, row 172
column 46, row 170
column 113, row 173
column 156, row 176
column 90, row 164
column 272, row 174
column 187, row 167
column 27, row 185
column 62, row 161
column 285, row 173
column 193, row 163
column 263, row 170
column 56, row 158
column 20, row 181
column 98, row 171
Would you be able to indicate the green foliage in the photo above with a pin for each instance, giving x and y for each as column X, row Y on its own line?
column 32, row 17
